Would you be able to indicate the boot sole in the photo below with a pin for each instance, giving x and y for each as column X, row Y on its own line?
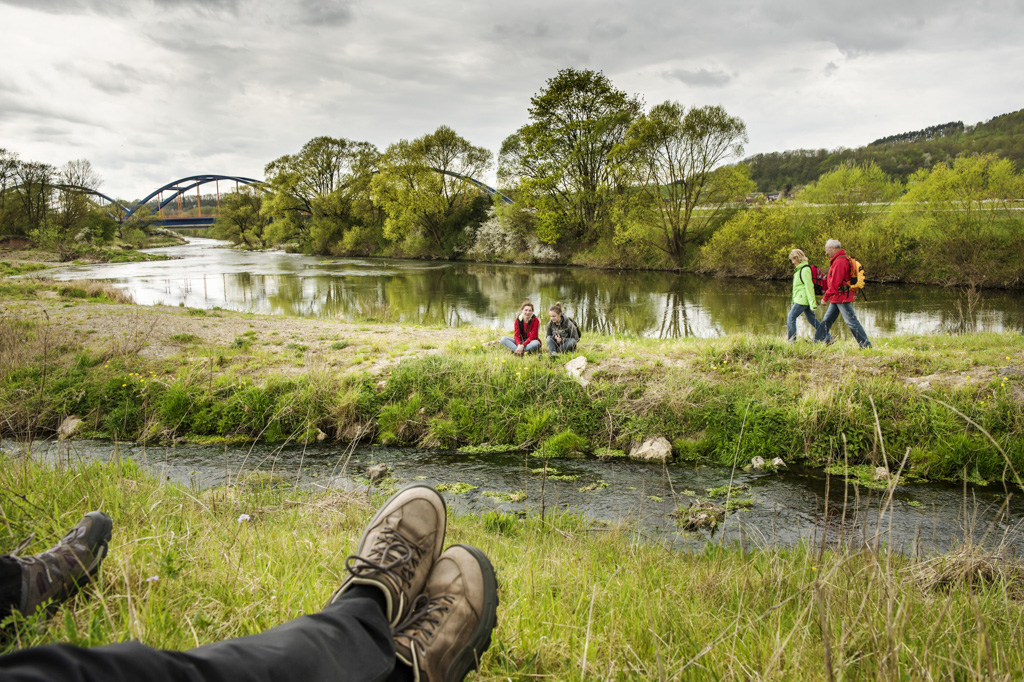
column 103, row 527
column 467, row 659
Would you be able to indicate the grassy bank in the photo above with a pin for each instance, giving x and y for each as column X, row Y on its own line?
column 159, row 374
column 575, row 602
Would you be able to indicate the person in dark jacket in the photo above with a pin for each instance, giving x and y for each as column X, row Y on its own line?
column 527, row 327
column 839, row 297
column 562, row 332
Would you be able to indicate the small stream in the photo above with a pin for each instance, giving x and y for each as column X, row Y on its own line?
column 787, row 508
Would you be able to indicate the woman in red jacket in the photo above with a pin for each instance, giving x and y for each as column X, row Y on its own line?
column 527, row 326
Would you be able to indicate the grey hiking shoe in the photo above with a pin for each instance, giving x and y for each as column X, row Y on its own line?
column 451, row 623
column 56, row 573
column 398, row 549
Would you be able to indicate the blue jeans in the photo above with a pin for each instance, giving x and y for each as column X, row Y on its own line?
column 794, row 313
column 566, row 346
column 846, row 310
column 531, row 347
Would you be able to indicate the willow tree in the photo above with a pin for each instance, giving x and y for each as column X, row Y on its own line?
column 560, row 161
column 424, row 188
column 675, row 160
column 321, row 191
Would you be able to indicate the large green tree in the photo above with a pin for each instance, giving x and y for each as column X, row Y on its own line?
column 424, row 187
column 241, row 218
column 560, row 161
column 321, row 191
column 674, row 158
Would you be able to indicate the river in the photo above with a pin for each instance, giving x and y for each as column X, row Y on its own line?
column 785, row 508
column 206, row 274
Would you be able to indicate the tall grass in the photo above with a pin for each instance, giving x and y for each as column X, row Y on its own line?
column 576, row 603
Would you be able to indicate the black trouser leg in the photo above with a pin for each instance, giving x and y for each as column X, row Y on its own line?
column 348, row 640
column 10, row 586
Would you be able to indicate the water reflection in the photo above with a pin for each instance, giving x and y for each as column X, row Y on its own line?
column 652, row 304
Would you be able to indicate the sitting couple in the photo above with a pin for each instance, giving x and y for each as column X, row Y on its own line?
column 562, row 331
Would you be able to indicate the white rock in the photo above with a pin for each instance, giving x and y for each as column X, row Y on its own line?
column 778, row 463
column 69, row 427
column 757, row 463
column 575, row 368
column 881, row 474
column 652, row 450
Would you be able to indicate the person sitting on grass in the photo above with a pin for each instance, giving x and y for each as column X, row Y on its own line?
column 405, row 611
column 562, row 331
column 48, row 578
column 527, row 327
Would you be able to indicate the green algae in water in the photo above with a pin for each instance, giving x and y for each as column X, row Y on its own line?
column 455, row 488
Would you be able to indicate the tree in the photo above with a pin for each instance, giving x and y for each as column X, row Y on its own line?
column 8, row 168
column 321, row 191
column 34, row 192
column 674, row 156
column 242, row 219
column 425, row 189
column 72, row 203
column 966, row 217
column 848, row 190
column 560, row 160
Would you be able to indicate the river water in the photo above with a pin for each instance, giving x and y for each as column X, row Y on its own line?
column 204, row 274
column 786, row 508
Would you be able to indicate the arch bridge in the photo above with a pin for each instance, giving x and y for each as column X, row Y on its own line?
column 171, row 211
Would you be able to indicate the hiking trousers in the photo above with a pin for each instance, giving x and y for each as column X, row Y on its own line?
column 349, row 640
column 833, row 313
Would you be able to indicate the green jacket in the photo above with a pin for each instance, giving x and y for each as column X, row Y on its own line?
column 803, row 286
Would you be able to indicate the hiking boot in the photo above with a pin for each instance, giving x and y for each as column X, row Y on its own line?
column 398, row 549
column 56, row 573
column 450, row 626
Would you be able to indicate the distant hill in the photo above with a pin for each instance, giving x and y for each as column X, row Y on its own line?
column 898, row 155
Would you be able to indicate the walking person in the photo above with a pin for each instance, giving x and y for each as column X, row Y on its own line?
column 527, row 328
column 839, row 297
column 406, row 611
column 804, row 299
column 563, row 334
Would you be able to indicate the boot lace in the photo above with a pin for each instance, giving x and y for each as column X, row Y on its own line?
column 424, row 619
column 391, row 554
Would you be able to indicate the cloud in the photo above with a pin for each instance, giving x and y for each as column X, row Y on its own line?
column 701, row 78
column 118, row 7
column 324, row 13
column 830, row 69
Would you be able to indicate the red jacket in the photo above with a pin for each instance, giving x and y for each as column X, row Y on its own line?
column 836, row 285
column 532, row 328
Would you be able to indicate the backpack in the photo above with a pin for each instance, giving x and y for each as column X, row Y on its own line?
column 856, row 281
column 818, row 278
column 578, row 330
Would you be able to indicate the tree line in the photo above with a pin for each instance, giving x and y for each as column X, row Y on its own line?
column 599, row 178
column 50, row 206
column 899, row 155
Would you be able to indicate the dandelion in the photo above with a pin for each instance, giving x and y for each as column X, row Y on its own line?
column 244, row 517
column 152, row 578
column 123, row 385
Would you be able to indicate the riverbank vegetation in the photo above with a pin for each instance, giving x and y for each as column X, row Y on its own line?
column 188, row 567
column 594, row 178
column 949, row 407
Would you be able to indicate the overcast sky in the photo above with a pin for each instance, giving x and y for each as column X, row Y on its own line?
column 153, row 90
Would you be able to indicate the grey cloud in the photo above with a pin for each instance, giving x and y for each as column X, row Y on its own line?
column 117, row 7
column 830, row 69
column 11, row 109
column 701, row 77
column 324, row 13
